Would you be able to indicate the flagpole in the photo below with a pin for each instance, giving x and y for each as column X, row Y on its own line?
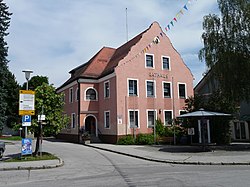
column 127, row 24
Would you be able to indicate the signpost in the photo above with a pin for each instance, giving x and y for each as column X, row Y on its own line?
column 26, row 102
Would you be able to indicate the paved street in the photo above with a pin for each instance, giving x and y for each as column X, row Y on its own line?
column 86, row 166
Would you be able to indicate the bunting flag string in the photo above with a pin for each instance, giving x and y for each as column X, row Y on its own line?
column 179, row 14
column 155, row 41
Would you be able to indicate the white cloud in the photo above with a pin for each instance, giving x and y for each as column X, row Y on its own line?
column 53, row 37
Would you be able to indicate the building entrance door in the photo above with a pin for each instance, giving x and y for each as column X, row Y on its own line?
column 90, row 125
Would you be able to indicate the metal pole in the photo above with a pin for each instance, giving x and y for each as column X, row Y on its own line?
column 173, row 121
column 26, row 128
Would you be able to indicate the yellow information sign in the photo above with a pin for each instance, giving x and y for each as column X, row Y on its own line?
column 26, row 102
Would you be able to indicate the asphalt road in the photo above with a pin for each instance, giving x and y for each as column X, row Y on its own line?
column 85, row 166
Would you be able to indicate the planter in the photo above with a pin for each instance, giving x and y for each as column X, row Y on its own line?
column 166, row 140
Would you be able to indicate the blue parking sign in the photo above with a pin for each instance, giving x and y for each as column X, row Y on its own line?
column 26, row 120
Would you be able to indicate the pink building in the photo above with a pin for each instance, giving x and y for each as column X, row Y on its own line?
column 119, row 90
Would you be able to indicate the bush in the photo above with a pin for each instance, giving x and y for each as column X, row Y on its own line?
column 126, row 140
column 144, row 139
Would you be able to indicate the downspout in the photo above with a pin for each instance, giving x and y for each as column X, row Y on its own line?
column 79, row 117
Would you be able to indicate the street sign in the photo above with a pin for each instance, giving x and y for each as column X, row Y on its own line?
column 41, row 117
column 26, row 102
column 26, row 120
column 26, row 146
column 190, row 131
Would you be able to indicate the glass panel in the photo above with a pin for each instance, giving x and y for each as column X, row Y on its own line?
column 91, row 94
column 132, row 87
column 182, row 90
column 150, row 89
column 133, row 118
column 106, row 119
column 168, row 117
column 166, row 89
column 165, row 63
column 149, row 61
column 151, row 118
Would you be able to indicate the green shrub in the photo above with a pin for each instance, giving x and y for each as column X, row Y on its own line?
column 144, row 139
column 126, row 140
column 160, row 129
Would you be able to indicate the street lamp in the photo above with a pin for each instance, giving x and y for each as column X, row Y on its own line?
column 27, row 77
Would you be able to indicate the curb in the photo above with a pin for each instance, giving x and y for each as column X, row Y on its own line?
column 172, row 161
column 60, row 164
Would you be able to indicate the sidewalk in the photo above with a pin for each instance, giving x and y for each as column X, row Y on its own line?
column 192, row 155
column 14, row 149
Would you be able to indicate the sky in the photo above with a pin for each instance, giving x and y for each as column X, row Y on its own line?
column 52, row 37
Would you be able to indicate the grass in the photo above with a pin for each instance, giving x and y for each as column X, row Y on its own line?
column 25, row 158
column 12, row 138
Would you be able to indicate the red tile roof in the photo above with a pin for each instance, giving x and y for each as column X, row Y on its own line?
column 104, row 62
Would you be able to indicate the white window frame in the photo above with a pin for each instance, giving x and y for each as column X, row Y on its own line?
column 73, row 120
column 147, row 88
column 132, row 110
column 178, row 87
column 105, row 90
column 137, row 87
column 155, row 112
column 71, row 98
column 146, row 61
column 168, row 62
column 172, row 116
column 105, row 120
column 163, row 89
column 85, row 95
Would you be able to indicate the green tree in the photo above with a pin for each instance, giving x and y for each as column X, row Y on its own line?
column 4, row 72
column 49, row 103
column 36, row 81
column 12, row 100
column 227, row 48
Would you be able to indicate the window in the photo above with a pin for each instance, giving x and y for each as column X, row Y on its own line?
column 151, row 118
column 106, row 119
column 166, row 90
column 73, row 120
column 133, row 119
column 167, row 117
column 91, row 94
column 150, row 89
column 71, row 95
column 132, row 88
column 63, row 97
column 182, row 90
column 106, row 89
column 77, row 94
column 182, row 112
column 165, row 63
column 149, row 61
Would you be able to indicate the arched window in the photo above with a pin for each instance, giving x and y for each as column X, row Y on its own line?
column 91, row 94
